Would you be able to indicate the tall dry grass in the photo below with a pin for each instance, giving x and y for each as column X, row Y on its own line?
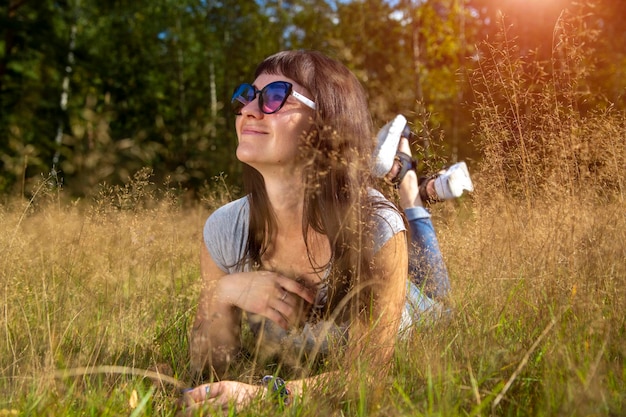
column 536, row 256
column 105, row 282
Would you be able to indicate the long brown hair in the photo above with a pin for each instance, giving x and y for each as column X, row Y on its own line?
column 335, row 157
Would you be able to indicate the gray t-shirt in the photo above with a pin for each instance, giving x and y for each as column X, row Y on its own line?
column 225, row 236
column 226, row 231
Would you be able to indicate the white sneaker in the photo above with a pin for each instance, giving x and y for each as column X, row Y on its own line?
column 387, row 146
column 453, row 181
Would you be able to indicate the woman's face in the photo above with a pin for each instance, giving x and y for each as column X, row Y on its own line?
column 270, row 142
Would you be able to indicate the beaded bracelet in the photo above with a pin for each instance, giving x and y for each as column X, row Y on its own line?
column 278, row 388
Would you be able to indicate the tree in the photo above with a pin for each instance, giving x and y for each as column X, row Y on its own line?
column 606, row 16
column 151, row 80
column 410, row 58
column 34, row 53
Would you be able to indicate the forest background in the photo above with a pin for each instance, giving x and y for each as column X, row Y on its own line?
column 93, row 91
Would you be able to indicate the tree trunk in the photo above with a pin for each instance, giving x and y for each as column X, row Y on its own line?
column 65, row 94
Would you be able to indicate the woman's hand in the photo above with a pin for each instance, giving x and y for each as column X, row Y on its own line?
column 216, row 333
column 269, row 294
column 221, row 394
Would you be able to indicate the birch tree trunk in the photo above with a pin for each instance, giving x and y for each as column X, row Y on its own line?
column 65, row 93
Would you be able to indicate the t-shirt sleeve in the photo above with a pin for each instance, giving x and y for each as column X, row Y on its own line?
column 226, row 233
column 387, row 221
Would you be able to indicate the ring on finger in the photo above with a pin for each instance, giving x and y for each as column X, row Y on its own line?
column 207, row 390
column 284, row 296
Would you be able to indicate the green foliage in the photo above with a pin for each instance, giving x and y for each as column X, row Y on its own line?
column 30, row 84
column 149, row 82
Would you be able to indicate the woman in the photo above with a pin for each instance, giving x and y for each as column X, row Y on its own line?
column 313, row 259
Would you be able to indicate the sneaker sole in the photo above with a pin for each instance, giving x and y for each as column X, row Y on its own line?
column 388, row 141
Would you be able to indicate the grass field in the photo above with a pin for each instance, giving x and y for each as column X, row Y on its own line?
column 538, row 326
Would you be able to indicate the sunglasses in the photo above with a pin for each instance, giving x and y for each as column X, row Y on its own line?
column 272, row 97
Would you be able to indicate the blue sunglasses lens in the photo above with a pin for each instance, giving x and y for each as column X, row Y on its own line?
column 272, row 97
column 242, row 95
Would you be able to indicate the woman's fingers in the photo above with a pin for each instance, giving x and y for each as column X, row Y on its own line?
column 221, row 393
column 297, row 288
column 276, row 297
column 203, row 393
column 278, row 317
column 197, row 394
column 292, row 309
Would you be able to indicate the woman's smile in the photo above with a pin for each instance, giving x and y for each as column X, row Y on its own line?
column 252, row 129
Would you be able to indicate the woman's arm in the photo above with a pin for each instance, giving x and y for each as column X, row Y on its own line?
column 371, row 338
column 373, row 335
column 215, row 337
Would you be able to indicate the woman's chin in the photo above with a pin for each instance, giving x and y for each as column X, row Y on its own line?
column 246, row 155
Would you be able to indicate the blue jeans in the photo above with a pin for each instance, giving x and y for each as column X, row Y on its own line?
column 428, row 275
